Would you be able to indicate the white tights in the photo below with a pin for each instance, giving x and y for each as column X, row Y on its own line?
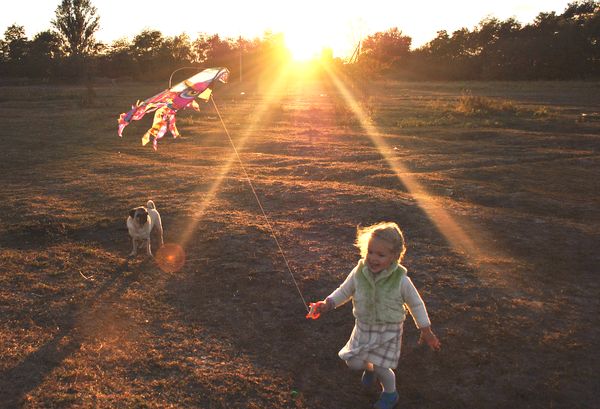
column 386, row 376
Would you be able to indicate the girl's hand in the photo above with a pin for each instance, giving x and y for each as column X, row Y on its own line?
column 319, row 307
column 429, row 337
column 323, row 306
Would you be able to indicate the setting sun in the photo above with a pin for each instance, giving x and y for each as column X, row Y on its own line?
column 304, row 46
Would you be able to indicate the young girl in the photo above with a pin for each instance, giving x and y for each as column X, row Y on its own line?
column 380, row 291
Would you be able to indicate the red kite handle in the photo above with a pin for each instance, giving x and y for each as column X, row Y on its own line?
column 313, row 314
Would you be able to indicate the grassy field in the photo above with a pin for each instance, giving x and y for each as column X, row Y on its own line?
column 496, row 186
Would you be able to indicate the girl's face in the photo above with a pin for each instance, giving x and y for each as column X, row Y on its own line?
column 380, row 255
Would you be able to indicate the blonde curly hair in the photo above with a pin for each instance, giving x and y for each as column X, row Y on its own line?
column 387, row 231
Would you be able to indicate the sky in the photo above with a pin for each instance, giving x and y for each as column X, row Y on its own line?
column 307, row 24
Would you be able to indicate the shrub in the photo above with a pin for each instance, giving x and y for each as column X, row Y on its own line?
column 475, row 105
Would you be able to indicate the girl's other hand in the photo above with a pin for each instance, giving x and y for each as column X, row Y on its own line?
column 430, row 339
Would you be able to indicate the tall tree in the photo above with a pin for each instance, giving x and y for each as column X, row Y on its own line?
column 44, row 54
column 76, row 23
column 14, row 49
column 16, row 43
column 146, row 50
column 117, row 60
column 213, row 49
column 147, row 45
column 389, row 49
column 179, row 48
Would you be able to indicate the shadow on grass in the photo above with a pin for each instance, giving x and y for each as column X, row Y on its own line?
column 24, row 377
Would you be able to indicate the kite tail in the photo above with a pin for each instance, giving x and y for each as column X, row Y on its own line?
column 194, row 105
column 146, row 137
column 158, row 129
column 173, row 128
column 122, row 123
column 160, row 134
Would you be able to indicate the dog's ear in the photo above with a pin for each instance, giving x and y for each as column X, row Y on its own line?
column 132, row 213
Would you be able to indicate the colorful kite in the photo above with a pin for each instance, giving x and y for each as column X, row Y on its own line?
column 167, row 103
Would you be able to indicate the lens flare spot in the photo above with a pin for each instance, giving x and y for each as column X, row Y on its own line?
column 170, row 257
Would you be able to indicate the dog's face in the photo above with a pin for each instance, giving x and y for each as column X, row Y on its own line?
column 139, row 215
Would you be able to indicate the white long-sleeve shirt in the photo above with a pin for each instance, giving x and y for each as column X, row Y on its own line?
column 407, row 295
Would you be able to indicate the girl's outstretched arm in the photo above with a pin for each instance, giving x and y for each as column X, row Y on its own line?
column 337, row 298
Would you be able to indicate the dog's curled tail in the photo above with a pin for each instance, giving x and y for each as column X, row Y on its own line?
column 150, row 205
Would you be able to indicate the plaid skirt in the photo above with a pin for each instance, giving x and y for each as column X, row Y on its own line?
column 376, row 343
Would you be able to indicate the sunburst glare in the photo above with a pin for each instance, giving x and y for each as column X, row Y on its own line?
column 445, row 223
column 170, row 257
column 204, row 199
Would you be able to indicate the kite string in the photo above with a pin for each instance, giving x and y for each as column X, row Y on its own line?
column 287, row 264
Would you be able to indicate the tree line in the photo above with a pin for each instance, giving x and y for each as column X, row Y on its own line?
column 553, row 47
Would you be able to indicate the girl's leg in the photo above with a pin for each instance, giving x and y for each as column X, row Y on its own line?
column 358, row 364
column 387, row 378
column 368, row 376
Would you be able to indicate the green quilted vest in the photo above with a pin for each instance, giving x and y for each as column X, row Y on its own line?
column 377, row 299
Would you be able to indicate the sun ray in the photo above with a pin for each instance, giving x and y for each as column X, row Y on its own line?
column 204, row 199
column 455, row 235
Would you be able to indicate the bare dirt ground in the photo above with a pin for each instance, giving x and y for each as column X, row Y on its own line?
column 500, row 204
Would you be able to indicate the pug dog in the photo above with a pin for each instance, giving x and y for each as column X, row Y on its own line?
column 141, row 223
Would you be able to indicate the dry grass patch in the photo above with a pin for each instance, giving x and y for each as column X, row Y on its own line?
column 82, row 326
